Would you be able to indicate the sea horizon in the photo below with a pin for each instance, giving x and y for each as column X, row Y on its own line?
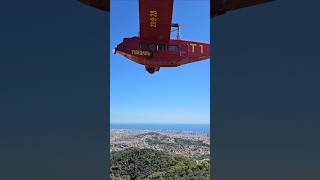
column 163, row 126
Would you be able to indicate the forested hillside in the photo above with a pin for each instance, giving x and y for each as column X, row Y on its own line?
column 135, row 163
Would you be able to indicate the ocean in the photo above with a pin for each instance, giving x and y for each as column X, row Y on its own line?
column 205, row 128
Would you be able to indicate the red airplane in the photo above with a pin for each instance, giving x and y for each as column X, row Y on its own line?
column 154, row 48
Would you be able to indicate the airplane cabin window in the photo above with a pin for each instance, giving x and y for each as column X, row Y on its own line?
column 173, row 48
column 143, row 45
column 161, row 47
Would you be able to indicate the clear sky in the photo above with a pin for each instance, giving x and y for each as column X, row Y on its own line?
column 172, row 95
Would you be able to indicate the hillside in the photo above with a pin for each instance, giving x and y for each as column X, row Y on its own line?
column 135, row 163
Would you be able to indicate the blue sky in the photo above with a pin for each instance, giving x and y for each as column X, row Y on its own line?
column 172, row 95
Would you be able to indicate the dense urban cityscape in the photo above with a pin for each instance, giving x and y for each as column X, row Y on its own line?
column 191, row 144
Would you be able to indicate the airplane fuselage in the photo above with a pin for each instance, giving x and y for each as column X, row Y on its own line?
column 153, row 56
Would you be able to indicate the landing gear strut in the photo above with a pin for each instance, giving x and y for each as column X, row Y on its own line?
column 151, row 70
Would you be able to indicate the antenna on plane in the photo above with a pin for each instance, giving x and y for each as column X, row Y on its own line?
column 176, row 27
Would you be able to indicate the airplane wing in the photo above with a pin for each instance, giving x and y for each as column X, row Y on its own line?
column 219, row 7
column 99, row 4
column 155, row 20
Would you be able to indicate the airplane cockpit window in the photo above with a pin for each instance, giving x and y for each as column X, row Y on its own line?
column 156, row 47
column 161, row 47
column 173, row 48
column 143, row 46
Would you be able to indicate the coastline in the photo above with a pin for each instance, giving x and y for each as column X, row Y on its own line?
column 199, row 128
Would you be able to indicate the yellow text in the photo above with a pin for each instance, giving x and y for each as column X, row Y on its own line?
column 195, row 45
column 140, row 52
column 153, row 15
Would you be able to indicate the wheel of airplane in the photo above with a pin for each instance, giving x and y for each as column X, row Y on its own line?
column 151, row 70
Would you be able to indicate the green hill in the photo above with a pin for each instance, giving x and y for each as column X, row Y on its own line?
column 134, row 163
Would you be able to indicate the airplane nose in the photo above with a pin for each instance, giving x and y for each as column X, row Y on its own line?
column 114, row 51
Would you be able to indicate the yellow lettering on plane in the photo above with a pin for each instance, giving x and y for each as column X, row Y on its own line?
column 153, row 13
column 201, row 48
column 153, row 24
column 140, row 52
column 194, row 45
column 153, row 18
